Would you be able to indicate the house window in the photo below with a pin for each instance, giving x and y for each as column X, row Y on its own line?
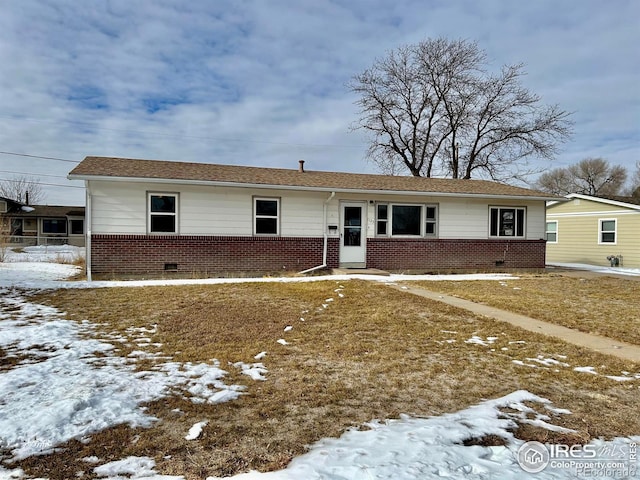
column 607, row 231
column 432, row 221
column 406, row 219
column 53, row 226
column 163, row 213
column 76, row 226
column 506, row 222
column 16, row 227
column 30, row 225
column 552, row 232
column 3, row 206
column 267, row 213
column 382, row 218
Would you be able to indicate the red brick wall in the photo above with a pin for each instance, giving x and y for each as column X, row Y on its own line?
column 142, row 254
column 440, row 254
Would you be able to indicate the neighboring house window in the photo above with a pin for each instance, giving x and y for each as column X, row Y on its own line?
column 163, row 213
column 30, row 225
column 507, row 222
column 406, row 220
column 54, row 226
column 16, row 227
column 382, row 219
column 3, row 206
column 267, row 213
column 77, row 227
column 607, row 231
column 552, row 232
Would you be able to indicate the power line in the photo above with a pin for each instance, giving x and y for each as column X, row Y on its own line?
column 35, row 174
column 41, row 183
column 38, row 156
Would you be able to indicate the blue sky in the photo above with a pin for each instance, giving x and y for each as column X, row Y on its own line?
column 255, row 82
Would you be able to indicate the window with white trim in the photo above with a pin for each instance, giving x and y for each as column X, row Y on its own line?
column 163, row 213
column 382, row 219
column 507, row 222
column 406, row 220
column 551, row 233
column 266, row 216
column 607, row 230
column 431, row 224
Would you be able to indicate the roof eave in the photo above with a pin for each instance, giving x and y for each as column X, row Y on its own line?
column 305, row 188
column 607, row 201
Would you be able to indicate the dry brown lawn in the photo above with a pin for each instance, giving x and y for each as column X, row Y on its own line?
column 376, row 353
column 605, row 306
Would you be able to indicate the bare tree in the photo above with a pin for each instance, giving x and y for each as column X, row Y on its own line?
column 591, row 176
column 634, row 184
column 433, row 109
column 19, row 187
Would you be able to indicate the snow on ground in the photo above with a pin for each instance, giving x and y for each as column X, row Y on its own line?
column 634, row 272
column 68, row 382
column 45, row 253
column 415, row 448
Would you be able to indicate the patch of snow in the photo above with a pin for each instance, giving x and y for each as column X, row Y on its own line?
column 196, row 430
column 415, row 448
column 288, row 328
column 16, row 473
column 69, row 384
column 16, row 272
column 282, row 341
column 590, row 370
column 254, row 370
column 479, row 341
column 619, row 379
column 45, row 253
column 634, row 272
column 135, row 468
column 260, row 356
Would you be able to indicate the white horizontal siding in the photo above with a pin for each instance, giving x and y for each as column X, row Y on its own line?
column 121, row 208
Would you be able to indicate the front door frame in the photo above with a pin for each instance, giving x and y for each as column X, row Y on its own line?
column 353, row 256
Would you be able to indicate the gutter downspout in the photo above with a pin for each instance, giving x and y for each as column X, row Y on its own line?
column 87, row 222
column 326, row 237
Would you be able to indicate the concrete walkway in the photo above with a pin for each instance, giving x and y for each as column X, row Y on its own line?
column 625, row 351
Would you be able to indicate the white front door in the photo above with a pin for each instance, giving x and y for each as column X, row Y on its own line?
column 353, row 234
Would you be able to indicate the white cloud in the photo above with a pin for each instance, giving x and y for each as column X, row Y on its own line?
column 263, row 83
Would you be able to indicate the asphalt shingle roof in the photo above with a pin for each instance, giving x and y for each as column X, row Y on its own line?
column 108, row 167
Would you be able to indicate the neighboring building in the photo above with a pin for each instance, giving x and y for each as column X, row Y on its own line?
column 594, row 230
column 28, row 225
column 147, row 216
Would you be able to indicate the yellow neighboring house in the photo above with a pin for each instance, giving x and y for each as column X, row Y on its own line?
column 594, row 231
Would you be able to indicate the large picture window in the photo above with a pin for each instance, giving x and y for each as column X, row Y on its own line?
column 406, row 220
column 163, row 213
column 607, row 231
column 267, row 216
column 507, row 222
